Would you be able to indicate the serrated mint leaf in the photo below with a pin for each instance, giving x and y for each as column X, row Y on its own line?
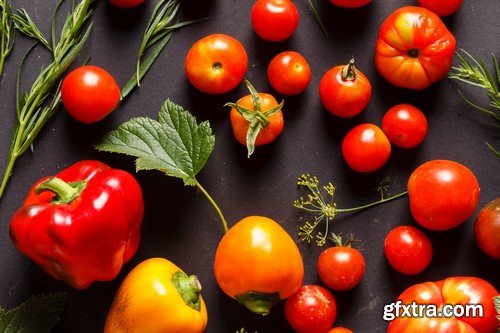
column 37, row 315
column 175, row 144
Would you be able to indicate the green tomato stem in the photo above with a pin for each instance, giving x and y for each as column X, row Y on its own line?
column 223, row 220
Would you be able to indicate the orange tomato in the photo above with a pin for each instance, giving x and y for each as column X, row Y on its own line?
column 339, row 330
column 258, row 264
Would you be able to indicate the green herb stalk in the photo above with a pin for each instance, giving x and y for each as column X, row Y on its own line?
column 6, row 32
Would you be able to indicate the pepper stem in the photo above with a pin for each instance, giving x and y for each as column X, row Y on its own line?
column 64, row 192
column 349, row 71
column 259, row 303
column 189, row 288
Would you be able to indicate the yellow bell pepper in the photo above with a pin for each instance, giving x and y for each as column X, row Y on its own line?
column 157, row 297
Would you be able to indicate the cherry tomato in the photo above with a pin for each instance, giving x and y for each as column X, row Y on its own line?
column 250, row 267
column 487, row 229
column 344, row 90
column 441, row 7
column 414, row 49
column 341, row 267
column 408, row 250
column 126, row 3
column 339, row 330
column 312, row 309
column 453, row 290
column 405, row 126
column 274, row 20
column 289, row 73
column 366, row 148
column 89, row 93
column 350, row 3
column 443, row 194
column 216, row 63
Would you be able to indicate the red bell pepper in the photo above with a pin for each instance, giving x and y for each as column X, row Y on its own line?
column 82, row 225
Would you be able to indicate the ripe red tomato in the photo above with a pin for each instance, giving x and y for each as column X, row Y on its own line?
column 487, row 229
column 366, row 148
column 289, row 73
column 414, row 48
column 408, row 250
column 274, row 20
column 339, row 330
column 453, row 290
column 405, row 126
column 341, row 267
column 312, row 309
column 441, row 7
column 126, row 3
column 443, row 194
column 216, row 63
column 344, row 90
column 89, row 93
column 350, row 3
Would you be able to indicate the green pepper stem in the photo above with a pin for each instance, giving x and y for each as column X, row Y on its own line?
column 189, row 288
column 257, row 302
column 64, row 192
column 223, row 220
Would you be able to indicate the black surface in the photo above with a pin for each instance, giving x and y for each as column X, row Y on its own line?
column 180, row 224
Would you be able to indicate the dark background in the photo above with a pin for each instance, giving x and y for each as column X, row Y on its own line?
column 180, row 224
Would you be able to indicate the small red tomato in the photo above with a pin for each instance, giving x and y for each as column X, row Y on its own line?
column 350, row 3
column 408, row 250
column 442, row 194
column 339, row 330
column 441, row 7
column 366, row 148
column 405, row 126
column 487, row 229
column 89, row 94
column 344, row 90
column 216, row 64
column 289, row 73
column 341, row 267
column 274, row 20
column 126, row 3
column 312, row 309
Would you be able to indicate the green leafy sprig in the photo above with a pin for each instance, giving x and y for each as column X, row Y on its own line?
column 475, row 72
column 325, row 210
column 31, row 108
column 25, row 24
column 38, row 314
column 175, row 144
column 158, row 33
column 496, row 301
column 6, row 32
column 317, row 17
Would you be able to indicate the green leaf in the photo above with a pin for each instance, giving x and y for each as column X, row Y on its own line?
column 37, row 315
column 496, row 300
column 175, row 144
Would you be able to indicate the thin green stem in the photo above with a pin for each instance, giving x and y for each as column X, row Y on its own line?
column 354, row 209
column 223, row 220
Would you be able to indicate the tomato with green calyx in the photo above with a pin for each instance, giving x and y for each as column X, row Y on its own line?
column 312, row 309
column 366, row 148
column 441, row 7
column 289, row 73
column 89, row 93
column 256, row 119
column 126, row 3
column 258, row 264
column 344, row 90
column 487, row 229
column 408, row 250
column 443, row 194
column 414, row 48
column 350, row 3
column 341, row 267
column 216, row 64
column 405, row 126
column 274, row 20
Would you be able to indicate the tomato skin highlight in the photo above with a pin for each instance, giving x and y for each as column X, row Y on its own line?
column 312, row 309
column 274, row 20
column 441, row 7
column 89, row 94
column 350, row 3
column 216, row 64
column 126, row 3
column 405, row 126
column 289, row 73
column 487, row 229
column 442, row 194
column 414, row 48
column 408, row 250
column 341, row 267
column 366, row 148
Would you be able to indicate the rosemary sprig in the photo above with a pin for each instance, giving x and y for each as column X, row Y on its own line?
column 25, row 24
column 496, row 301
column 158, row 33
column 475, row 72
column 324, row 210
column 32, row 111
column 6, row 32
